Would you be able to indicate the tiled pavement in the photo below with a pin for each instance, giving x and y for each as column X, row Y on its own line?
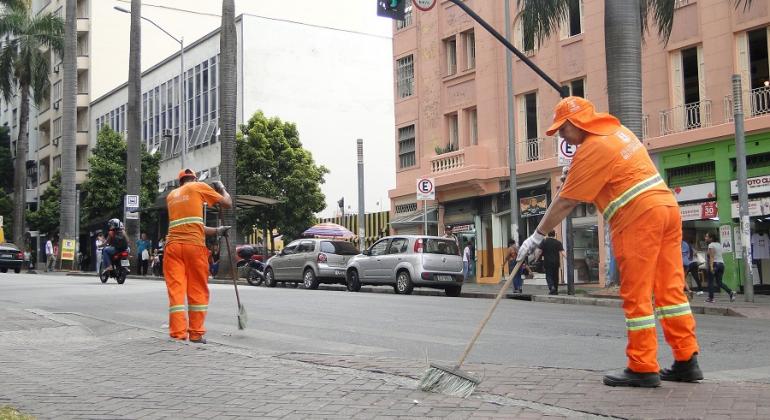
column 72, row 366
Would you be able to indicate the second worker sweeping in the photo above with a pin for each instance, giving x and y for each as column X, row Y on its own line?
column 613, row 170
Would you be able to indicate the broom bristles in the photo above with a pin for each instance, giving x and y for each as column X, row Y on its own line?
column 444, row 380
column 242, row 318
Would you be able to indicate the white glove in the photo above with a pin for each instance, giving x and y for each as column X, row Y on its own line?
column 530, row 245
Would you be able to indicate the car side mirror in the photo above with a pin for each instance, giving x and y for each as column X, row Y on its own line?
column 282, row 253
column 366, row 252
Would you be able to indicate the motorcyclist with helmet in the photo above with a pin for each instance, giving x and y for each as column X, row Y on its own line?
column 116, row 241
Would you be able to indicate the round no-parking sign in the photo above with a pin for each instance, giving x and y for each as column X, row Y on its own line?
column 566, row 152
column 426, row 189
column 424, row 5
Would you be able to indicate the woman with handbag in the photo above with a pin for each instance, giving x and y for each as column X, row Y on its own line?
column 143, row 246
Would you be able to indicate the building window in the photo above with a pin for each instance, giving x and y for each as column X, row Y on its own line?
column 401, row 24
column 44, row 170
column 57, row 128
column 81, row 158
column 405, row 76
column 450, row 49
column 576, row 88
column 407, row 155
column 528, row 127
column 453, row 129
column 15, row 117
column 56, row 163
column 83, row 45
column 57, row 92
column 470, row 50
column 473, row 126
column 573, row 25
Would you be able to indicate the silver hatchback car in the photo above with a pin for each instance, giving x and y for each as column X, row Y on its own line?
column 312, row 261
column 406, row 261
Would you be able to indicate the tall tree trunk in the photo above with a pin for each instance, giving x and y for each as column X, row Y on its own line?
column 228, row 81
column 20, row 175
column 133, row 158
column 67, row 221
column 623, row 53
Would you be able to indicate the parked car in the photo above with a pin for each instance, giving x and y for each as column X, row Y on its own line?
column 10, row 257
column 311, row 261
column 408, row 261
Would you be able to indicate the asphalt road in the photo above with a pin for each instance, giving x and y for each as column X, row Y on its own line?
column 412, row 327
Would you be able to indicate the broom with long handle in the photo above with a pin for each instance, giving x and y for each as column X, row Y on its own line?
column 241, row 309
column 452, row 380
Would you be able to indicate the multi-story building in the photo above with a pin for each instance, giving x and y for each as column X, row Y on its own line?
column 451, row 123
column 290, row 70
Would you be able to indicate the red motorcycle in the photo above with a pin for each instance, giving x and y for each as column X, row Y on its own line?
column 118, row 269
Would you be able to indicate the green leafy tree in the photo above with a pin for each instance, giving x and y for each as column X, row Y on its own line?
column 271, row 162
column 46, row 218
column 105, row 186
column 6, row 182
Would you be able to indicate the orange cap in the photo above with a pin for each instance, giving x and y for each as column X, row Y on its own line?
column 580, row 112
column 186, row 173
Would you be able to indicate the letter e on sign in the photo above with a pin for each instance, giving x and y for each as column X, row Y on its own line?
column 566, row 152
column 426, row 189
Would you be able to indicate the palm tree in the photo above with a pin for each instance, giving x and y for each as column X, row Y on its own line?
column 623, row 47
column 67, row 217
column 228, row 74
column 24, row 67
column 133, row 157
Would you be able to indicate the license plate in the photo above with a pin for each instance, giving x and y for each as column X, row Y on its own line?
column 443, row 277
column 338, row 272
column 124, row 263
column 7, row 255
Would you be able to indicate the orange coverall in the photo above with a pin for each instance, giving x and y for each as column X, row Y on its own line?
column 185, row 260
column 616, row 173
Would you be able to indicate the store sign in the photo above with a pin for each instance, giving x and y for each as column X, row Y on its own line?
column 700, row 211
column 463, row 228
column 757, row 207
column 756, row 185
column 533, row 206
column 695, row 192
column 68, row 250
column 725, row 237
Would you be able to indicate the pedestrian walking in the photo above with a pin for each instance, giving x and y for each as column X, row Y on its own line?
column 466, row 261
column 552, row 253
column 715, row 268
column 99, row 245
column 143, row 247
column 612, row 169
column 185, row 256
column 691, row 268
column 510, row 259
column 50, row 258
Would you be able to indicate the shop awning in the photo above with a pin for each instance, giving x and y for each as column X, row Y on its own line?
column 415, row 218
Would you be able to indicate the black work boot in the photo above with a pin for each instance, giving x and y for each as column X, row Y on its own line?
column 687, row 371
column 199, row 340
column 628, row 377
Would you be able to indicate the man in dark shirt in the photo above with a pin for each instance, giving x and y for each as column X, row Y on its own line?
column 553, row 251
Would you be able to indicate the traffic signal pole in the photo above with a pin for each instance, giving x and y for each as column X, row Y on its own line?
column 563, row 92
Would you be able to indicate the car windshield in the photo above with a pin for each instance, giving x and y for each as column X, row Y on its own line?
column 441, row 246
column 339, row 248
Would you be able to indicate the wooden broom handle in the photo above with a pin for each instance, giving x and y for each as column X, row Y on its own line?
column 484, row 321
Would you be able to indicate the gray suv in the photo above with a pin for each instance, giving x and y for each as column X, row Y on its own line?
column 406, row 261
column 311, row 261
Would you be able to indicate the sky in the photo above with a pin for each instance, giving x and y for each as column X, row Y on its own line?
column 192, row 19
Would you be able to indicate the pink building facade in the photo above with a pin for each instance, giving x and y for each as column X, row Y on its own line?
column 451, row 120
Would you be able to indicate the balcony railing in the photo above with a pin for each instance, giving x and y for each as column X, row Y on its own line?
column 758, row 101
column 685, row 117
column 532, row 150
column 645, row 126
column 448, row 161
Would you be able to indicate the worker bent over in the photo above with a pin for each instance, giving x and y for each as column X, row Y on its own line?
column 612, row 169
column 185, row 260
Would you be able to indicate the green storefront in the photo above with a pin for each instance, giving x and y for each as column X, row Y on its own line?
column 702, row 178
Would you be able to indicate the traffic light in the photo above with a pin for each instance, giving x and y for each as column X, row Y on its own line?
column 393, row 9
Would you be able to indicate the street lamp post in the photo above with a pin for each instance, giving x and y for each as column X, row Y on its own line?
column 182, row 87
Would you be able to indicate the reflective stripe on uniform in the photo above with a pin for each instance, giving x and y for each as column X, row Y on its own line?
column 630, row 194
column 633, row 324
column 175, row 308
column 185, row 221
column 673, row 310
column 198, row 308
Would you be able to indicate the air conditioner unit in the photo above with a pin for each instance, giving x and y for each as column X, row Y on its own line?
column 56, row 68
column 56, row 105
column 590, row 210
column 55, row 142
column 168, row 132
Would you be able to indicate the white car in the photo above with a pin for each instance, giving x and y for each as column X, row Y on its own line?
column 310, row 261
column 406, row 261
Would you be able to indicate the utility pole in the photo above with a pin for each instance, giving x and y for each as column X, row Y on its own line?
column 743, row 192
column 514, row 195
column 361, row 216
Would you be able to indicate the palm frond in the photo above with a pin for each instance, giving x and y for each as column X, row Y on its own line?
column 7, row 75
column 541, row 18
column 14, row 23
column 662, row 14
column 39, row 82
column 48, row 29
column 746, row 4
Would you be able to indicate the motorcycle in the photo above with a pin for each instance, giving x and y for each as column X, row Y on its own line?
column 118, row 269
column 250, row 266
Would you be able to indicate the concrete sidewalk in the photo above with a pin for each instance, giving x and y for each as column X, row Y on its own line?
column 68, row 366
column 586, row 294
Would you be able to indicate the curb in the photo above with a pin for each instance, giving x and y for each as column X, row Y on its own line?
column 589, row 300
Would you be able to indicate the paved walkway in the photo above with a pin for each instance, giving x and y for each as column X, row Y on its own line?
column 66, row 366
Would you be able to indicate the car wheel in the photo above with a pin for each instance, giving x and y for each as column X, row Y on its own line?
column 309, row 279
column 453, row 291
column 404, row 283
column 17, row 270
column 353, row 282
column 3, row 270
column 269, row 278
